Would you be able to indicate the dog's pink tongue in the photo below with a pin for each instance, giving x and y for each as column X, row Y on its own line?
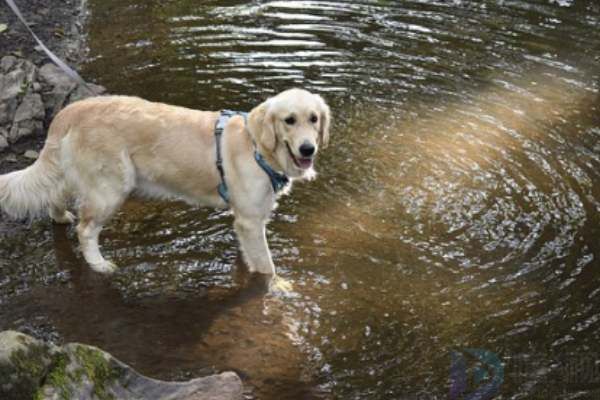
column 305, row 163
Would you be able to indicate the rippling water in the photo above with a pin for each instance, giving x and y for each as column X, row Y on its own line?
column 458, row 206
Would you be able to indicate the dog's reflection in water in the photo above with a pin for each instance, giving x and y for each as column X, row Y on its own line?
column 242, row 326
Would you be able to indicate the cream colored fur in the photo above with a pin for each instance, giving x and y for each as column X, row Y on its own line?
column 101, row 150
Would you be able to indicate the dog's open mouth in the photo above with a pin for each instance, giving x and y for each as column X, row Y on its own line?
column 301, row 162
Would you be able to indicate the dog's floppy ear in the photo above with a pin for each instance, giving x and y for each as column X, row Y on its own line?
column 325, row 121
column 261, row 126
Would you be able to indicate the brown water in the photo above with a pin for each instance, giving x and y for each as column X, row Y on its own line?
column 458, row 206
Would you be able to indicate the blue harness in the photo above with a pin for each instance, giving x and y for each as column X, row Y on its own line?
column 278, row 180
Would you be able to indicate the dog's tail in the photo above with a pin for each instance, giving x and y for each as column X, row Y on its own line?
column 34, row 190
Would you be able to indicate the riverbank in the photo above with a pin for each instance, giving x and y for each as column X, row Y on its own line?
column 32, row 89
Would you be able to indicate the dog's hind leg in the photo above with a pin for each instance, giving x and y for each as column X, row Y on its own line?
column 101, row 194
column 95, row 210
column 61, row 216
column 59, row 213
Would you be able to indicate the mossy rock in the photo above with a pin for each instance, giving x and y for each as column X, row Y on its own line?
column 30, row 369
column 24, row 364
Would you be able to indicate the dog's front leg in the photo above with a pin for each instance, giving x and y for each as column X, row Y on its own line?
column 252, row 236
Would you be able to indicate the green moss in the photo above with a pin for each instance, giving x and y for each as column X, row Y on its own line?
column 99, row 370
column 39, row 395
column 24, row 87
column 32, row 361
column 32, row 370
column 26, row 369
column 59, row 378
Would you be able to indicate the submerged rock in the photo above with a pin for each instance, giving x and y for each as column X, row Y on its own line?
column 31, row 369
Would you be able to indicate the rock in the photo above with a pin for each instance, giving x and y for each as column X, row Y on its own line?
column 55, row 101
column 7, row 111
column 7, row 63
column 62, row 90
column 17, row 80
column 31, row 97
column 33, row 369
column 25, row 128
column 28, row 118
column 30, row 108
column 3, row 143
column 13, row 85
column 31, row 154
column 55, row 77
column 59, row 86
column 82, row 92
column 24, row 362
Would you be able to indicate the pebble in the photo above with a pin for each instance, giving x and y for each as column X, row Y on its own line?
column 32, row 154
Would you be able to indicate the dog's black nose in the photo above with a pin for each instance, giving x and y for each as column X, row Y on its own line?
column 307, row 149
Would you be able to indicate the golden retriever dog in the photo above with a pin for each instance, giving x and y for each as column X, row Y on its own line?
column 101, row 150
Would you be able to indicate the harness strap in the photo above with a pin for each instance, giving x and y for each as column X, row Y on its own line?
column 219, row 128
column 278, row 180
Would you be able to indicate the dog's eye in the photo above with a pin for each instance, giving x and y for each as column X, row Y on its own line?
column 290, row 120
column 314, row 119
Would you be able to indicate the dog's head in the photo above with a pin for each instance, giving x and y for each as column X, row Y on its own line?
column 291, row 128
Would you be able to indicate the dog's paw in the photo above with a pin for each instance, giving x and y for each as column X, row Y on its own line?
column 105, row 267
column 279, row 284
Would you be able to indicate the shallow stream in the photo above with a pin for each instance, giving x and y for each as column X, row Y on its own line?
column 458, row 206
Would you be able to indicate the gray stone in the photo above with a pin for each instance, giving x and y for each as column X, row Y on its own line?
column 7, row 63
column 83, row 92
column 11, row 86
column 31, row 154
column 58, row 88
column 33, row 369
column 31, row 107
column 25, row 128
column 16, row 82
column 55, row 77
column 28, row 118
column 14, row 85
column 7, row 111
column 55, row 101
column 3, row 142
